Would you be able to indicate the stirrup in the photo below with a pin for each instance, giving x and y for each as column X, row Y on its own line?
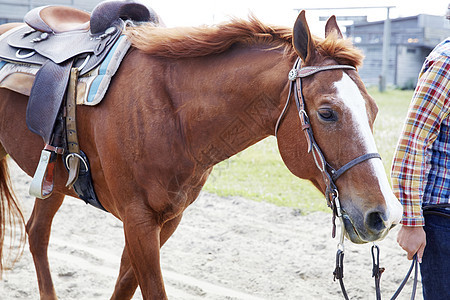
column 42, row 184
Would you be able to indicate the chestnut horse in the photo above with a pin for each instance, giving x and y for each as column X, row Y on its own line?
column 185, row 99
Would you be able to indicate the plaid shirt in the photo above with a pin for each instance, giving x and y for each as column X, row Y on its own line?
column 421, row 166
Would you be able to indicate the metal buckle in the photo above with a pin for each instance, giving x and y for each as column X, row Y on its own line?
column 293, row 75
column 79, row 157
column 337, row 203
column 29, row 54
column 305, row 115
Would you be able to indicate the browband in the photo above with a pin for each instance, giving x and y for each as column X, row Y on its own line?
column 308, row 71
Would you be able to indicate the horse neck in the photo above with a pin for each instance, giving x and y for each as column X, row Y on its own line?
column 230, row 101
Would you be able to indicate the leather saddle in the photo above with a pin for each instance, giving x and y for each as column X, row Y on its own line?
column 60, row 33
column 61, row 39
column 59, row 19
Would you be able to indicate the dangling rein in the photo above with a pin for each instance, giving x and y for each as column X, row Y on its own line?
column 338, row 272
column 376, row 270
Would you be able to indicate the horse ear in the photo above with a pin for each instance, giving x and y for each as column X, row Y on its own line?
column 332, row 26
column 302, row 40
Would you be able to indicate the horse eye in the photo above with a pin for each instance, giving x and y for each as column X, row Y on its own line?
column 327, row 115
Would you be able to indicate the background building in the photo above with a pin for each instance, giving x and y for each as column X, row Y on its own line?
column 411, row 40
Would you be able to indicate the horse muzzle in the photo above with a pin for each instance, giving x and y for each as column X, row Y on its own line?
column 371, row 227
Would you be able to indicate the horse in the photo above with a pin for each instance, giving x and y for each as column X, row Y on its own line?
column 185, row 99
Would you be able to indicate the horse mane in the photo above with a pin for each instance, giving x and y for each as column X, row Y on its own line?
column 184, row 42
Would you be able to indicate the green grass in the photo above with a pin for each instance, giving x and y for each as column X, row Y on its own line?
column 258, row 173
column 393, row 106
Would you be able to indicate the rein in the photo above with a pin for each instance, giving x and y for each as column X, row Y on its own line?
column 338, row 272
column 377, row 271
column 330, row 175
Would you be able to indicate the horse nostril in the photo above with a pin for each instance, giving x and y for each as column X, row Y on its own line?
column 375, row 221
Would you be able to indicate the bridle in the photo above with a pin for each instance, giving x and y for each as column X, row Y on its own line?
column 330, row 175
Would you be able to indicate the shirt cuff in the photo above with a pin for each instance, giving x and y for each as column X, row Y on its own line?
column 413, row 222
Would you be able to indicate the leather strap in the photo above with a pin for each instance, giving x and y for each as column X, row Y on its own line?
column 308, row 71
column 338, row 272
column 58, row 150
column 405, row 280
column 73, row 161
column 376, row 270
column 344, row 168
column 376, row 273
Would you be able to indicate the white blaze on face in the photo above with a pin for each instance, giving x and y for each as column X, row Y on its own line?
column 348, row 91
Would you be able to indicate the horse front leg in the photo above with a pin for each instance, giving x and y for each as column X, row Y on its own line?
column 127, row 283
column 38, row 229
column 142, row 227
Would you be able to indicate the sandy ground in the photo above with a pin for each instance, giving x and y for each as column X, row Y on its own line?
column 224, row 248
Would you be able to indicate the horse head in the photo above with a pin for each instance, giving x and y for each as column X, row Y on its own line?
column 340, row 113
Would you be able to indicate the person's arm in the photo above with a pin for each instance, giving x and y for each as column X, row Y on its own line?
column 429, row 106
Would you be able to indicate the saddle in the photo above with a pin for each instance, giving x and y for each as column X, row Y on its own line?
column 66, row 43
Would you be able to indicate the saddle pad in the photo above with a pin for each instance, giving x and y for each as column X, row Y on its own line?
column 97, row 81
column 91, row 87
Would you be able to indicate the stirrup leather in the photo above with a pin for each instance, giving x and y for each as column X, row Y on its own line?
column 73, row 159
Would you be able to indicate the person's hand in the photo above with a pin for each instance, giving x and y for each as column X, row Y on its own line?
column 412, row 240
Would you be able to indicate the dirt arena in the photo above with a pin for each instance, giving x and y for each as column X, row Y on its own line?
column 224, row 248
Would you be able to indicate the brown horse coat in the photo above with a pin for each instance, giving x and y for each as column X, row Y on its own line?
column 184, row 100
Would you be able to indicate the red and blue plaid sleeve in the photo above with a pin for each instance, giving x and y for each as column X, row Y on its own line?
column 428, row 108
